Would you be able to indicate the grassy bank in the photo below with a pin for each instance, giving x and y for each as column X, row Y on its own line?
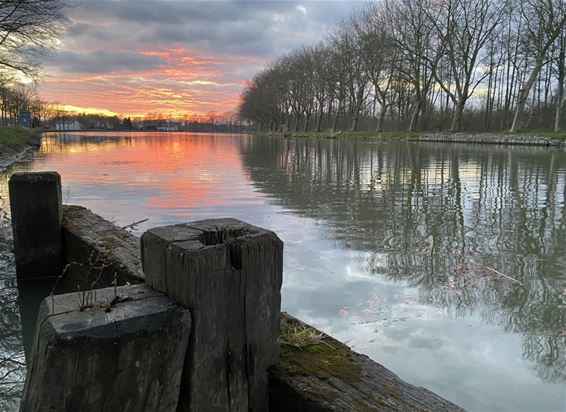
column 14, row 138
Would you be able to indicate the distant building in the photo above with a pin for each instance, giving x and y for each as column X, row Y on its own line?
column 68, row 125
column 168, row 128
column 25, row 118
column 103, row 124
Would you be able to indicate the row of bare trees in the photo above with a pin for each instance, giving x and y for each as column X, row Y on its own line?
column 29, row 29
column 422, row 64
column 17, row 97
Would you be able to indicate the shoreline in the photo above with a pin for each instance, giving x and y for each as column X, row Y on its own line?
column 15, row 143
column 534, row 138
column 541, row 139
column 143, row 131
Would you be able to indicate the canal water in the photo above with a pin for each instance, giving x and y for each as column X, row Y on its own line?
column 445, row 263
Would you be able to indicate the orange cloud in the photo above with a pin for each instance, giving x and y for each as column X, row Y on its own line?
column 187, row 82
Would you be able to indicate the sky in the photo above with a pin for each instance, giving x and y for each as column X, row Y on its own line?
column 134, row 57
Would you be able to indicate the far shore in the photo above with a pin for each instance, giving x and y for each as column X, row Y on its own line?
column 530, row 138
column 141, row 131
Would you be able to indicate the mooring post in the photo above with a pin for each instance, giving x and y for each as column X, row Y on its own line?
column 229, row 274
column 113, row 349
column 35, row 203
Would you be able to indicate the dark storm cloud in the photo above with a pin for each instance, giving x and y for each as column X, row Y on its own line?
column 262, row 28
column 100, row 61
column 176, row 12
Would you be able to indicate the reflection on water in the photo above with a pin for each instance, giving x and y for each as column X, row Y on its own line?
column 444, row 263
column 12, row 360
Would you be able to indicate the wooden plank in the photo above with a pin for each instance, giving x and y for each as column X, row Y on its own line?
column 327, row 376
column 98, row 251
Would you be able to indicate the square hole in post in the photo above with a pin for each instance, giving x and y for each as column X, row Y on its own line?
column 222, row 235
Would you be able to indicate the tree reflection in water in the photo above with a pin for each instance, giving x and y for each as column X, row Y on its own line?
column 455, row 221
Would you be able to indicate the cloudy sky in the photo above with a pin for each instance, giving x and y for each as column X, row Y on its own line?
column 133, row 57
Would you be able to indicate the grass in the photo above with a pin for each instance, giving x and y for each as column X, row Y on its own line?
column 15, row 137
column 307, row 351
column 301, row 336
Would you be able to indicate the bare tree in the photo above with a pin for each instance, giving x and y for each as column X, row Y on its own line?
column 322, row 80
column 28, row 29
column 419, row 63
column 347, row 53
column 413, row 35
column 544, row 21
column 463, row 28
column 560, row 70
column 379, row 57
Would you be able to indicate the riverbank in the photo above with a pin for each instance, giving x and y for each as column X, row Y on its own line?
column 15, row 142
column 531, row 138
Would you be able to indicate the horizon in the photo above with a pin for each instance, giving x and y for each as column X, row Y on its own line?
column 129, row 59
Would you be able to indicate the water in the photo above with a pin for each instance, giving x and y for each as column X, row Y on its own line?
column 445, row 263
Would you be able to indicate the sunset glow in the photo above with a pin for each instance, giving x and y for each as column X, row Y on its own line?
column 131, row 58
column 184, row 83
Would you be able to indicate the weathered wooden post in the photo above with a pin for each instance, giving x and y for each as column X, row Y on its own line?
column 35, row 202
column 114, row 349
column 229, row 274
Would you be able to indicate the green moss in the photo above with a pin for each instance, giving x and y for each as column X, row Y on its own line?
column 393, row 390
column 383, row 402
column 108, row 240
column 15, row 137
column 324, row 360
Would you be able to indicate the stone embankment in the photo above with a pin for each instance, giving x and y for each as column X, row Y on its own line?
column 486, row 138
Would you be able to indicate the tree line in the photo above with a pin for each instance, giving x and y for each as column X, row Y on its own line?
column 29, row 29
column 422, row 65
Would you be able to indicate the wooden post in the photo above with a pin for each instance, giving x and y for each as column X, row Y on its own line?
column 114, row 349
column 229, row 274
column 35, row 202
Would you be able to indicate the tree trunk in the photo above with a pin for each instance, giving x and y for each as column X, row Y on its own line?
column 523, row 96
column 335, row 121
column 560, row 93
column 457, row 117
column 319, row 122
column 559, row 108
column 307, row 121
column 381, row 118
column 415, row 116
column 355, row 121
